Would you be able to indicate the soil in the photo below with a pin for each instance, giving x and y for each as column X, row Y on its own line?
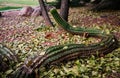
column 11, row 23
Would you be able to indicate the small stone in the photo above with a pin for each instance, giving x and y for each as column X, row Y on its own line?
column 37, row 11
column 26, row 11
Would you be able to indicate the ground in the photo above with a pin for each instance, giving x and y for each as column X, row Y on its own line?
column 78, row 16
column 28, row 36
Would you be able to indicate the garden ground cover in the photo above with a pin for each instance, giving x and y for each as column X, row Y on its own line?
column 28, row 38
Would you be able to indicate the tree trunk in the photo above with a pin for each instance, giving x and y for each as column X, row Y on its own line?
column 0, row 14
column 64, row 9
column 45, row 13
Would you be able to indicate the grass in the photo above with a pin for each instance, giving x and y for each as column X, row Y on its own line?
column 21, row 2
column 8, row 8
column 16, row 4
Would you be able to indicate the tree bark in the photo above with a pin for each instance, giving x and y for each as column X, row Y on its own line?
column 64, row 9
column 45, row 13
column 0, row 14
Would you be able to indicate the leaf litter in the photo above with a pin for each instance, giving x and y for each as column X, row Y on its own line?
column 31, row 38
